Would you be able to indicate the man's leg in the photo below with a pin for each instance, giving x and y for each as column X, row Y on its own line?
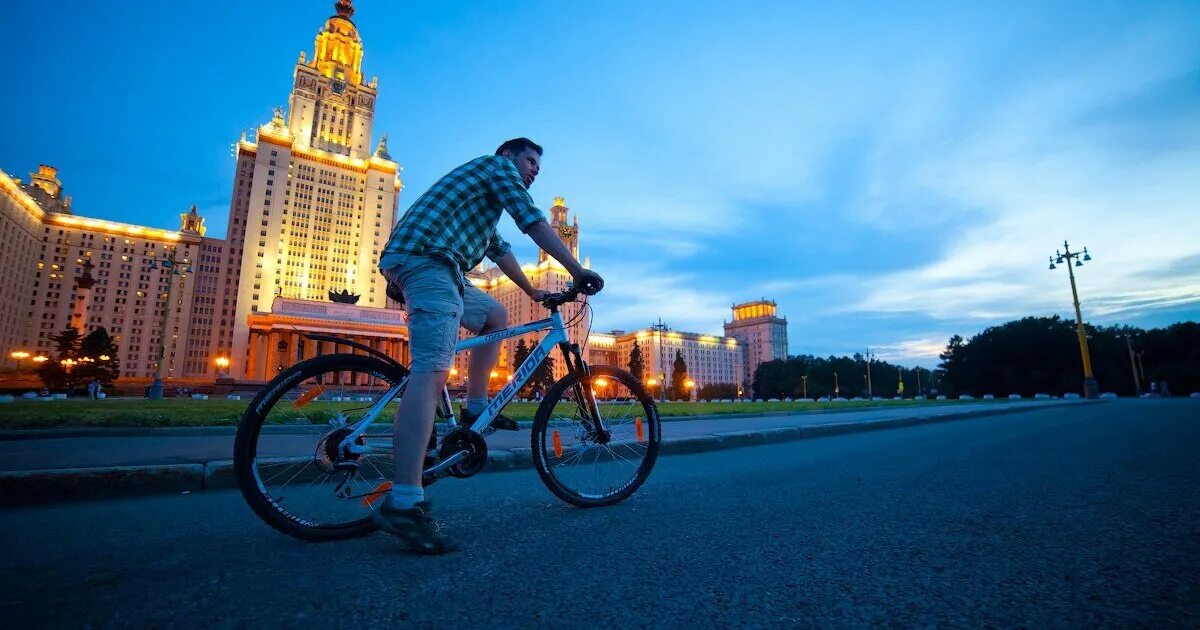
column 414, row 423
column 483, row 358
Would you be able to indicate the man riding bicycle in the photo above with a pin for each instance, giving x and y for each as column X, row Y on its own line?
column 445, row 233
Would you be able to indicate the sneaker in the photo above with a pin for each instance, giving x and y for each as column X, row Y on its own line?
column 501, row 422
column 414, row 526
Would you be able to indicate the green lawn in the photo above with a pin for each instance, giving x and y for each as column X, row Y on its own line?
column 37, row 414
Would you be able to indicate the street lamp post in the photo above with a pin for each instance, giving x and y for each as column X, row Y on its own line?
column 837, row 390
column 68, row 367
column 920, row 392
column 870, row 392
column 804, row 381
column 172, row 268
column 690, row 385
column 222, row 367
column 1137, row 382
column 20, row 356
column 1091, row 389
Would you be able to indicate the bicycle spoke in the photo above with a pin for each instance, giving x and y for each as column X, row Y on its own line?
column 321, row 411
column 596, row 465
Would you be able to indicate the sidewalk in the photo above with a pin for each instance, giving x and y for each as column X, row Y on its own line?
column 166, row 460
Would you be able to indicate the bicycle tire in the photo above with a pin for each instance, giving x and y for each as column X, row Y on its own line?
column 651, row 431
column 250, row 429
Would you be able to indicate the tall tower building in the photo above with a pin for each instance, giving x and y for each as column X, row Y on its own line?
column 760, row 332
column 568, row 232
column 312, row 206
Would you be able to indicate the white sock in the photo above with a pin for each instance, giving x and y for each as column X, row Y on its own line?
column 407, row 496
column 477, row 405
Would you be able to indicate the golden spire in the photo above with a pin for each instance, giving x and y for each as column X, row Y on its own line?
column 338, row 48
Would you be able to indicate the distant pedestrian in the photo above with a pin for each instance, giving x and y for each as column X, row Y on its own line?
column 1154, row 389
column 93, row 390
column 1166, row 393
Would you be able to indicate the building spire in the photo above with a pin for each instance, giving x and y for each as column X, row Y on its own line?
column 344, row 9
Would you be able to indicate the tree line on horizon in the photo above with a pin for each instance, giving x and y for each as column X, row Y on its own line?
column 1027, row 356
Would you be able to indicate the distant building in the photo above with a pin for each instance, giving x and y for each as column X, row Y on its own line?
column 761, row 333
column 63, row 270
column 710, row 360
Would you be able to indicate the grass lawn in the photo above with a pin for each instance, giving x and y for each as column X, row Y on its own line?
column 37, row 414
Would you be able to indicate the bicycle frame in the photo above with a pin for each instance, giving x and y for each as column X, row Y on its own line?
column 556, row 337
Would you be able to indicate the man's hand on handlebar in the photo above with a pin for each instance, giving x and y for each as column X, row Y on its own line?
column 589, row 282
column 539, row 295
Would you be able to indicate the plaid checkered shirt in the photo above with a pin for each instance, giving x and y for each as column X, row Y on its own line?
column 456, row 218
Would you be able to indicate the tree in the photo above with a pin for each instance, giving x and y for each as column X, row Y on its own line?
column 1041, row 355
column 544, row 375
column 679, row 376
column 66, row 346
column 96, row 346
column 520, row 353
column 717, row 391
column 637, row 365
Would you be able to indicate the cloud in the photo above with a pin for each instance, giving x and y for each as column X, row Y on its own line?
column 924, row 350
column 637, row 294
column 1030, row 174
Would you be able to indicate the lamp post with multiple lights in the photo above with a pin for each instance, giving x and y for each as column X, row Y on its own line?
column 172, row 268
column 1091, row 389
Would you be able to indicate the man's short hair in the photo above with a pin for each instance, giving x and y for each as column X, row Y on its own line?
column 517, row 145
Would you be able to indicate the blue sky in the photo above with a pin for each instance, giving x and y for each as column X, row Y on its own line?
column 891, row 174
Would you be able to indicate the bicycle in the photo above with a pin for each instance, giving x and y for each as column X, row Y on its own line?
column 589, row 451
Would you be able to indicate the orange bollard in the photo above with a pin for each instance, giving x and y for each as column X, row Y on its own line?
column 637, row 424
column 377, row 493
column 308, row 396
column 557, row 444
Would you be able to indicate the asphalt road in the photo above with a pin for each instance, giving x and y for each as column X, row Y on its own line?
column 1064, row 517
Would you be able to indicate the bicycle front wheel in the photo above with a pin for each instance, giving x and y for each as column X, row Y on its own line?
column 286, row 456
column 590, row 468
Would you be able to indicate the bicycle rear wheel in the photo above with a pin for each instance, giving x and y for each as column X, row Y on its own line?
column 578, row 465
column 286, row 459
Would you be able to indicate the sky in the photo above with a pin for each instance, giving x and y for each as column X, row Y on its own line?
column 890, row 174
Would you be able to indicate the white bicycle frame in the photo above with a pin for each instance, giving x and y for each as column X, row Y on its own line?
column 556, row 336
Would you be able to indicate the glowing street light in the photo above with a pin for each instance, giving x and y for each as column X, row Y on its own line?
column 39, row 359
column 20, row 356
column 222, row 364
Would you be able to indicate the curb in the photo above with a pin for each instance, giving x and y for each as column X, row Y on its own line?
column 85, row 432
column 75, row 484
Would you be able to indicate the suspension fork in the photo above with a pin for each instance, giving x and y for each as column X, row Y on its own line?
column 583, row 389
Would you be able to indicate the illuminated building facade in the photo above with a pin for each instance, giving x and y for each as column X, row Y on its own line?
column 710, row 359
column 312, row 205
column 761, row 333
column 67, row 270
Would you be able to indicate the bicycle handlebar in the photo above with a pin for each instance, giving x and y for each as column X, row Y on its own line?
column 555, row 300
